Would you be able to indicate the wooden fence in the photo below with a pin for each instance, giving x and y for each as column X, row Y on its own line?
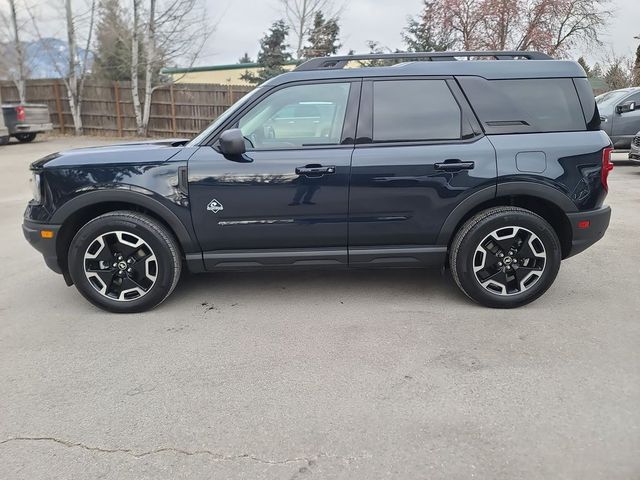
column 180, row 110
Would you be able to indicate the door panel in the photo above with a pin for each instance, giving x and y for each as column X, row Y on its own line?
column 627, row 124
column 399, row 196
column 265, row 203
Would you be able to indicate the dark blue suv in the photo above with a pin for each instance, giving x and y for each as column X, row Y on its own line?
column 496, row 169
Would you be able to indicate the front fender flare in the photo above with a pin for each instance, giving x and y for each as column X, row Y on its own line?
column 184, row 233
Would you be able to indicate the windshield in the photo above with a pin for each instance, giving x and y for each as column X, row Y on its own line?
column 223, row 118
column 610, row 98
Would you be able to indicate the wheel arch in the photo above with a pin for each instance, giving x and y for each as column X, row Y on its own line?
column 77, row 212
column 542, row 200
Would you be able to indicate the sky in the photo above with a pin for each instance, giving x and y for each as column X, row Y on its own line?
column 239, row 25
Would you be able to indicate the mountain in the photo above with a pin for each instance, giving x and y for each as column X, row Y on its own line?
column 45, row 58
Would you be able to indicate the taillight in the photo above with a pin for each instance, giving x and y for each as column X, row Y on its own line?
column 20, row 113
column 607, row 166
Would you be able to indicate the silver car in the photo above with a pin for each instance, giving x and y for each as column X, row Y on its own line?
column 620, row 115
column 634, row 154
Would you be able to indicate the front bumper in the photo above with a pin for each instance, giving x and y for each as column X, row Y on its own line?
column 46, row 246
column 583, row 237
column 634, row 154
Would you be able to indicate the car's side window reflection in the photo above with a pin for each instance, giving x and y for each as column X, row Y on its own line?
column 297, row 116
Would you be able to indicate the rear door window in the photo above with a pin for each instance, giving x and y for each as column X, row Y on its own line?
column 414, row 110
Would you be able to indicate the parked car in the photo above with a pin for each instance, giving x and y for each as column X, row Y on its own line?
column 4, row 132
column 26, row 120
column 620, row 115
column 634, row 153
column 497, row 169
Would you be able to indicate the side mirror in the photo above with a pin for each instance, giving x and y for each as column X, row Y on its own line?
column 626, row 107
column 232, row 142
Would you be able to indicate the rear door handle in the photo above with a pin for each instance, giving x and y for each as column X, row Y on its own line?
column 454, row 165
column 315, row 170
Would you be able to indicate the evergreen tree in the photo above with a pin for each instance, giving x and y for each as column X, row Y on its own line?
column 636, row 67
column 273, row 54
column 583, row 63
column 113, row 43
column 245, row 58
column 425, row 33
column 323, row 37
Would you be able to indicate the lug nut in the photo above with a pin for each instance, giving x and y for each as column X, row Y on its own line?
column 130, row 261
column 501, row 255
column 499, row 264
column 115, row 264
column 129, row 270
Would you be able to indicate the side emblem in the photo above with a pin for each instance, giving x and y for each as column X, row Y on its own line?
column 215, row 206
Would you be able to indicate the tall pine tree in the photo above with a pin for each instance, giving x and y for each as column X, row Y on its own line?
column 323, row 37
column 273, row 54
column 113, row 43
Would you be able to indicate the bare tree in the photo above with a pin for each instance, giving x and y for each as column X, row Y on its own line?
column 21, row 79
column 552, row 26
column 77, row 67
column 299, row 15
column 174, row 29
column 13, row 59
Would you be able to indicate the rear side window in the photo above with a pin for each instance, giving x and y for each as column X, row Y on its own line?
column 414, row 110
column 525, row 105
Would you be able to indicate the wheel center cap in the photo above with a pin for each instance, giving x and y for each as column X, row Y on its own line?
column 122, row 265
column 507, row 260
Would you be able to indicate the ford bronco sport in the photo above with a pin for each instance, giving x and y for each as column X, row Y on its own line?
column 496, row 169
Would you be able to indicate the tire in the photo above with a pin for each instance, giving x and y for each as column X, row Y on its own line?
column 25, row 137
column 124, row 262
column 511, row 280
column 4, row 140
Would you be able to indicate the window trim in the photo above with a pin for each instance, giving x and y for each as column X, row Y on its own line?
column 348, row 129
column 470, row 129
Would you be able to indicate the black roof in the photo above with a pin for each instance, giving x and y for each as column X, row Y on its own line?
column 501, row 65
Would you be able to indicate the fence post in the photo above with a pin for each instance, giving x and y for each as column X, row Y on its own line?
column 116, row 91
column 173, row 111
column 56, row 91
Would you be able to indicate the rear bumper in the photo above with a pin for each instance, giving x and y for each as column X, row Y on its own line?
column 583, row 238
column 31, row 128
column 46, row 246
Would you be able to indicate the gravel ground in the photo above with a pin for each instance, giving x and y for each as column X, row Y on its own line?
column 349, row 375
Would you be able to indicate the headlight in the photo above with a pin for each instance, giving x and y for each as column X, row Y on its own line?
column 36, row 187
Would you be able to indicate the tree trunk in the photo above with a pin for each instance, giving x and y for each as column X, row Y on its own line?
column 301, row 25
column 150, row 49
column 72, row 83
column 135, row 58
column 21, row 80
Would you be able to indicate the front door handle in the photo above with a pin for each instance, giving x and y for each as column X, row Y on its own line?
column 454, row 165
column 315, row 170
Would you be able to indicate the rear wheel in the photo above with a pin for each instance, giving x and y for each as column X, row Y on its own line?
column 505, row 257
column 124, row 262
column 26, row 137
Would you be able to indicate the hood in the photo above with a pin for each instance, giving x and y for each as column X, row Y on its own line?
column 148, row 151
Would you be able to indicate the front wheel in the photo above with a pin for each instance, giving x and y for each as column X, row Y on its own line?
column 505, row 257
column 124, row 262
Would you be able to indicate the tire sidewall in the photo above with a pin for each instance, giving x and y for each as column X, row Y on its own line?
column 87, row 234
column 466, row 253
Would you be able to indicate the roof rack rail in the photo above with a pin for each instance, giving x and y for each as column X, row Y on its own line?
column 338, row 62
